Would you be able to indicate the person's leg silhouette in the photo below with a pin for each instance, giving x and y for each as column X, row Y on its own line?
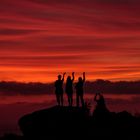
column 71, row 100
column 58, row 99
column 61, row 98
column 77, row 100
column 82, row 100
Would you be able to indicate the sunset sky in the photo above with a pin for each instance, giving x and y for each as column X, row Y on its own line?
column 40, row 39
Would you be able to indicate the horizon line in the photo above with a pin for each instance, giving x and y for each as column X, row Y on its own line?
column 26, row 82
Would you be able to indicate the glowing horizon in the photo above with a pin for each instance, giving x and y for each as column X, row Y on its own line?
column 41, row 39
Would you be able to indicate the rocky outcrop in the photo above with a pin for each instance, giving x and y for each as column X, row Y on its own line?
column 76, row 123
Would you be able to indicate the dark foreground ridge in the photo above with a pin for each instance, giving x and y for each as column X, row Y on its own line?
column 76, row 123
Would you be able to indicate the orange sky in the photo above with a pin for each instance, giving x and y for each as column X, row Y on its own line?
column 41, row 38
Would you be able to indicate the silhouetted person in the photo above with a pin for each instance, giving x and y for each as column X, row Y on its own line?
column 69, row 89
column 59, row 89
column 101, row 112
column 80, row 90
column 100, row 101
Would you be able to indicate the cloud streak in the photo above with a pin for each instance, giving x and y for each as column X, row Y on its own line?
column 97, row 36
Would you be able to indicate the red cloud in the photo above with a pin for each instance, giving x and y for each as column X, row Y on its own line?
column 94, row 36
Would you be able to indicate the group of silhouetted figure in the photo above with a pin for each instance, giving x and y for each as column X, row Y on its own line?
column 69, row 89
column 79, row 87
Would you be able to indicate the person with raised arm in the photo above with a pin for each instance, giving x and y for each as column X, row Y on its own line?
column 80, row 90
column 100, row 101
column 69, row 89
column 59, row 89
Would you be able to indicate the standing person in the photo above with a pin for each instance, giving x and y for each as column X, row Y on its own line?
column 59, row 89
column 80, row 90
column 69, row 89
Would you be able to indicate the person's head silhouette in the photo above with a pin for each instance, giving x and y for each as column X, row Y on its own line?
column 59, row 77
column 68, row 78
column 80, row 79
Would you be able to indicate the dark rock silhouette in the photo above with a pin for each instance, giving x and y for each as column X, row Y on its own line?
column 55, row 123
column 76, row 123
column 11, row 137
